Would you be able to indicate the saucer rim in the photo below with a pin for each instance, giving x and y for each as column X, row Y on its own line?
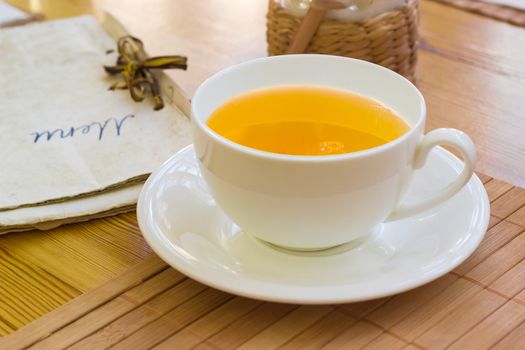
column 303, row 294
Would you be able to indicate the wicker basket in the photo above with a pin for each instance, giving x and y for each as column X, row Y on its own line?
column 389, row 39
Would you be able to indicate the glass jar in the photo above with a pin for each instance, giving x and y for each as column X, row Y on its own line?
column 349, row 11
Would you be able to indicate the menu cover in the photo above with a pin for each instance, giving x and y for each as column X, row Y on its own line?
column 65, row 136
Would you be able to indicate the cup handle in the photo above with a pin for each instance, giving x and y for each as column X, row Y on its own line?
column 448, row 137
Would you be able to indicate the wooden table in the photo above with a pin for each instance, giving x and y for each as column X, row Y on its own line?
column 471, row 71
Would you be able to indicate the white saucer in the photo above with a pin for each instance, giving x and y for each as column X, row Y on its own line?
column 185, row 227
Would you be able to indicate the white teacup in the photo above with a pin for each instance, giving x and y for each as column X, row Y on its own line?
column 316, row 202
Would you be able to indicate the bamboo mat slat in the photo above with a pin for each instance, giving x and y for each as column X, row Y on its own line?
column 82, row 305
column 503, row 13
column 481, row 304
column 515, row 339
column 80, row 257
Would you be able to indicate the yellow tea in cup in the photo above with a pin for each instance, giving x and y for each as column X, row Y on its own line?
column 306, row 120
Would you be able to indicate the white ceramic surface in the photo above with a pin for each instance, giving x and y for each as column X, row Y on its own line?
column 287, row 199
column 183, row 224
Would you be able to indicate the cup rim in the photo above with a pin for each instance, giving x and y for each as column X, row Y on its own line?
column 305, row 158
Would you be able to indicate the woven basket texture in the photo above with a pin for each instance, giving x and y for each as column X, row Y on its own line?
column 389, row 39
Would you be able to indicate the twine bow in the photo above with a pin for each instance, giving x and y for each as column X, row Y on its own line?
column 134, row 67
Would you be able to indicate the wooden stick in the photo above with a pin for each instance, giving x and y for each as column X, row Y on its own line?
column 310, row 23
column 306, row 30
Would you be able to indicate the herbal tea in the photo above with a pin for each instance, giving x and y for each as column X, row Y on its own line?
column 306, row 120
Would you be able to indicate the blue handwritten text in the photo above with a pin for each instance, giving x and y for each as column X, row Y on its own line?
column 99, row 127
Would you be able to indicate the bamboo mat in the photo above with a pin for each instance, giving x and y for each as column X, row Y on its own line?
column 480, row 305
column 503, row 13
